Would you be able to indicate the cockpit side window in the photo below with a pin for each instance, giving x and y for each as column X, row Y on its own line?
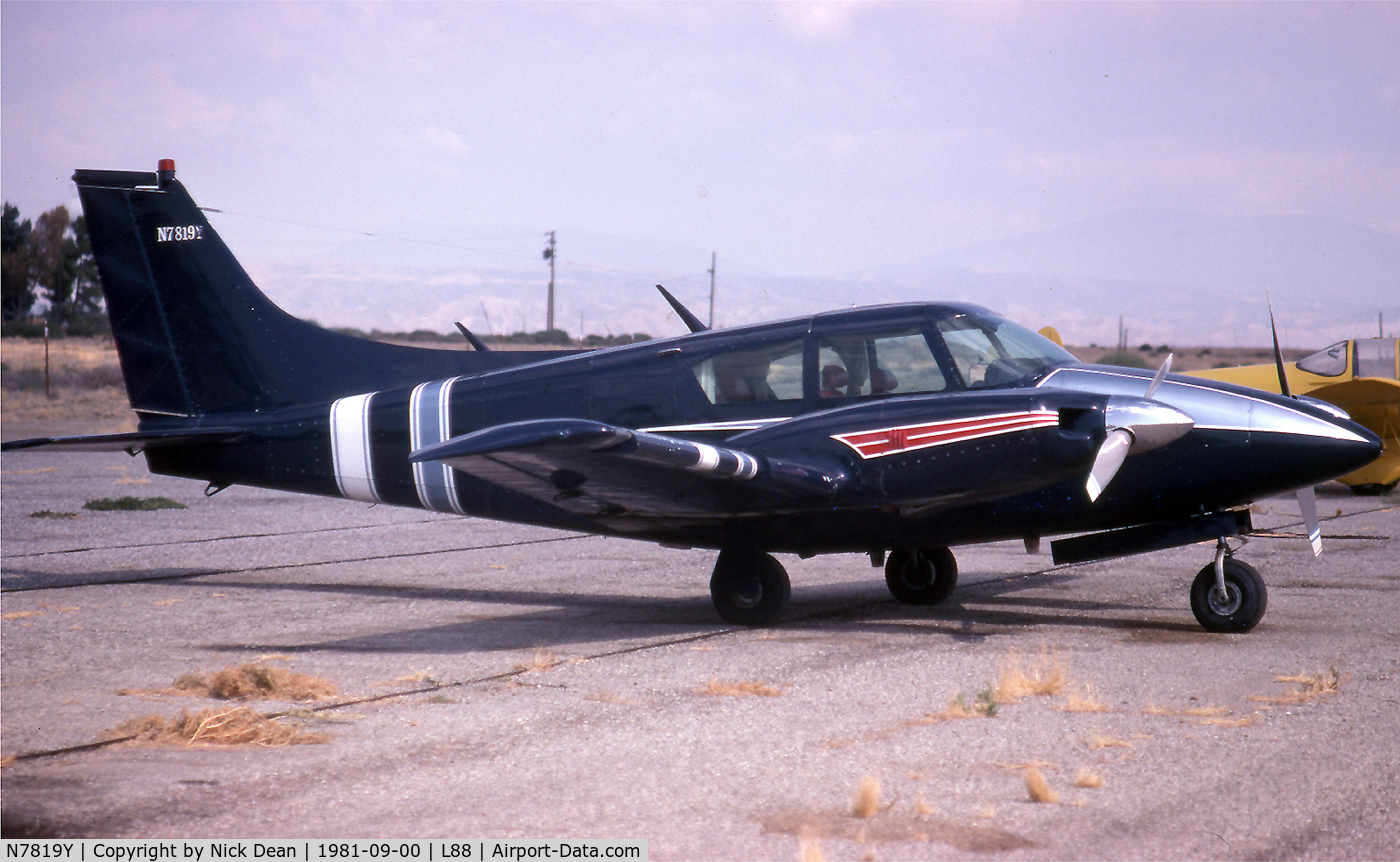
column 771, row 372
column 887, row 363
column 1328, row 362
column 991, row 351
column 1375, row 357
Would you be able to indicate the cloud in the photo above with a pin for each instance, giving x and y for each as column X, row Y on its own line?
column 443, row 141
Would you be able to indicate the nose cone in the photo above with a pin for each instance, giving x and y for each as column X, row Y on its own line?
column 1310, row 444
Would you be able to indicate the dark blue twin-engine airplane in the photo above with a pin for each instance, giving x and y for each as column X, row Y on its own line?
column 895, row 431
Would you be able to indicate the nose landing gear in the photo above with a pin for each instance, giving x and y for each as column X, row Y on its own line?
column 1228, row 595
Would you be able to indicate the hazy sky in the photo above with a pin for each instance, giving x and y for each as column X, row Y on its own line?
column 796, row 138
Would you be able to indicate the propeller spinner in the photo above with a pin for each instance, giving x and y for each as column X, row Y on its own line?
column 1135, row 425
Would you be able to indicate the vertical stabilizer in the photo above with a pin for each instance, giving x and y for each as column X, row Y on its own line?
column 194, row 334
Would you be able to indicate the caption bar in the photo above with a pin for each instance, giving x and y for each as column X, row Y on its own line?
column 135, row 850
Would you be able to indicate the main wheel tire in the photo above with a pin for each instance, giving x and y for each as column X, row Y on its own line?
column 1372, row 489
column 1243, row 605
column 925, row 576
column 749, row 588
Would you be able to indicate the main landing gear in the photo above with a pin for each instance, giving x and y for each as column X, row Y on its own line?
column 1228, row 595
column 924, row 576
column 749, row 587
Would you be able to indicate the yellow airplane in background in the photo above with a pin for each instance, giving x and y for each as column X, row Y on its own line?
column 1361, row 376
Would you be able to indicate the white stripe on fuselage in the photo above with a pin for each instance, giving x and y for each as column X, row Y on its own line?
column 428, row 423
column 350, row 458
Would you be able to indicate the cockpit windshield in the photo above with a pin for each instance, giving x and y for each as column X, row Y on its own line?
column 1327, row 362
column 990, row 351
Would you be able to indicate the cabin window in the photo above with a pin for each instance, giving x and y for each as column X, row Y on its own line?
column 1375, row 357
column 1328, row 362
column 772, row 372
column 991, row 351
column 892, row 363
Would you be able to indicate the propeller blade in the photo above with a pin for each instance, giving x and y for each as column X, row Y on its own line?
column 1307, row 500
column 1307, row 503
column 1160, row 376
column 1111, row 454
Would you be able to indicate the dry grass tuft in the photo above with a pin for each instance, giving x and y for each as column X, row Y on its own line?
column 1220, row 721
column 1037, row 788
column 236, row 726
column 1309, row 687
column 1087, row 703
column 809, row 848
column 1204, row 712
column 1085, row 778
column 983, row 706
column 261, row 682
column 541, row 660
column 1045, row 675
column 720, row 688
column 1099, row 741
column 867, row 802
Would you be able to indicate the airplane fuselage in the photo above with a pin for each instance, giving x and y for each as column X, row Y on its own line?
column 1245, row 445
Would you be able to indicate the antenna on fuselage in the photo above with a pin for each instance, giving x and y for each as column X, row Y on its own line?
column 690, row 320
column 476, row 343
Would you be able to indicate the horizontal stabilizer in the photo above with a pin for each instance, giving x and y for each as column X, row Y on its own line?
column 132, row 442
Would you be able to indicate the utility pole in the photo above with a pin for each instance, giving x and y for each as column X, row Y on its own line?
column 713, row 257
column 549, row 256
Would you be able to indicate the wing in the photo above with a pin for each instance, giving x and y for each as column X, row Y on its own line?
column 913, row 457
column 1365, row 399
column 596, row 469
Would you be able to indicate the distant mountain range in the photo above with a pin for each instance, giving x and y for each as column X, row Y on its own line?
column 1174, row 277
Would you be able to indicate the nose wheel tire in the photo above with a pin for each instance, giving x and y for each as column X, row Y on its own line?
column 749, row 588
column 1242, row 605
column 924, row 576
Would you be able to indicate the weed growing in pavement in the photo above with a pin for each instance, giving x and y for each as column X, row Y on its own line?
column 1086, row 703
column 1037, row 787
column 739, row 689
column 133, row 504
column 541, row 660
column 867, row 801
column 1045, row 675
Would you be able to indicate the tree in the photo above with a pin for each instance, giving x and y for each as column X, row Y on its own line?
column 51, row 257
column 75, row 294
column 52, row 260
column 16, row 289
